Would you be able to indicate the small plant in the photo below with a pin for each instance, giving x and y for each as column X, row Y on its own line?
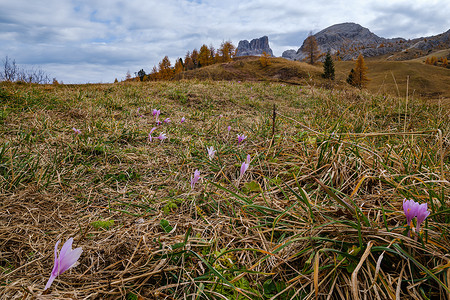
column 103, row 224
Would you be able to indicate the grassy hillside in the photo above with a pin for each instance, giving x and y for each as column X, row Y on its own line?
column 249, row 68
column 318, row 211
column 387, row 77
column 390, row 77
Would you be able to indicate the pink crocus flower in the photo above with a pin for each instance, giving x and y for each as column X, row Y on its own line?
column 77, row 131
column 183, row 119
column 241, row 137
column 150, row 134
column 195, row 178
column 66, row 260
column 422, row 213
column 410, row 208
column 221, row 116
column 211, row 152
column 167, row 120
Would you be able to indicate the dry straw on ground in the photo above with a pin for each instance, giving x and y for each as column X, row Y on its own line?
column 317, row 215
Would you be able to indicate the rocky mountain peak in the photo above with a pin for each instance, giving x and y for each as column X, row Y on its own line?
column 349, row 39
column 254, row 47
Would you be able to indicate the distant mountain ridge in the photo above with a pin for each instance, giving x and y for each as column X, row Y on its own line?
column 347, row 40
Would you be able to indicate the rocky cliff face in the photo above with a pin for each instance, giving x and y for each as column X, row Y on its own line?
column 254, row 47
column 348, row 40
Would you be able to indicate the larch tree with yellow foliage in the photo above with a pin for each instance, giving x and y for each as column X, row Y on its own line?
column 359, row 77
column 311, row 49
column 227, row 51
column 165, row 69
column 204, row 56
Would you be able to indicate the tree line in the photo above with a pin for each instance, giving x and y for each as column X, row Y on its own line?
column 193, row 60
column 209, row 55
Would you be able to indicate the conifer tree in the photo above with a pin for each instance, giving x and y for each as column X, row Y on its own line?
column 212, row 58
column 311, row 49
column 165, row 70
column 350, row 77
column 141, row 74
column 178, row 68
column 204, row 56
column 360, row 79
column 227, row 50
column 188, row 63
column 328, row 67
column 194, row 57
column 264, row 59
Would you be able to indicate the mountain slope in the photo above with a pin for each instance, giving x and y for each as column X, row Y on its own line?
column 347, row 40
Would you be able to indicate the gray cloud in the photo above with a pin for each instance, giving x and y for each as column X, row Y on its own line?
column 89, row 41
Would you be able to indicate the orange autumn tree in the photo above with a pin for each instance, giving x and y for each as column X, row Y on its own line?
column 264, row 59
column 359, row 75
column 204, row 56
column 165, row 70
column 311, row 49
column 227, row 51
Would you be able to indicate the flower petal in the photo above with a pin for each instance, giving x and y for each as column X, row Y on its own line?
column 69, row 259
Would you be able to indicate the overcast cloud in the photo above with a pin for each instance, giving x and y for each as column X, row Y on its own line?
column 96, row 41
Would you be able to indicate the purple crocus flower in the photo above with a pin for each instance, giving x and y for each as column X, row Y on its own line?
column 410, row 208
column 167, row 120
column 77, row 131
column 162, row 136
column 183, row 119
column 66, row 260
column 244, row 168
column 211, row 152
column 156, row 112
column 150, row 134
column 229, row 129
column 249, row 158
column 241, row 137
column 422, row 213
column 195, row 178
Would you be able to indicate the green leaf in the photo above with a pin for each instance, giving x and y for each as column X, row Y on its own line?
column 165, row 225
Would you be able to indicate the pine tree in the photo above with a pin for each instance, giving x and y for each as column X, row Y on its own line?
column 350, row 77
column 328, row 67
column 141, row 74
column 311, row 49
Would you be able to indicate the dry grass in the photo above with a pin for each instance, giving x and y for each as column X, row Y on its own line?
column 317, row 215
column 390, row 77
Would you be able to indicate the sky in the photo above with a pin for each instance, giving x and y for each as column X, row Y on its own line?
column 96, row 41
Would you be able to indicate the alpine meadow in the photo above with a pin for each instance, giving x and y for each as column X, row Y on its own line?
column 322, row 175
